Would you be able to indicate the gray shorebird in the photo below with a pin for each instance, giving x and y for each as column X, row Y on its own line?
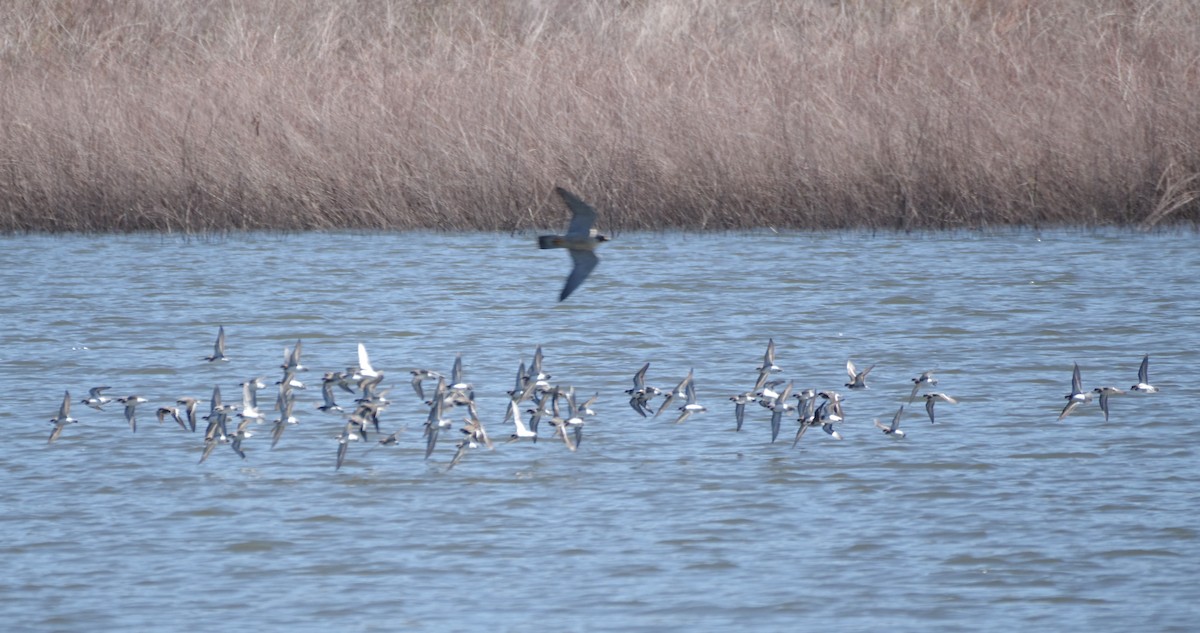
column 63, row 418
column 690, row 406
column 768, row 365
column 218, row 347
column 892, row 429
column 932, row 398
column 580, row 241
column 330, row 406
column 291, row 358
column 173, row 412
column 1143, row 385
column 1105, row 393
column 1077, row 396
column 640, row 395
column 858, row 379
column 926, row 378
column 778, row 408
column 365, row 369
column 522, row 431
column 739, row 407
column 680, row 391
column 96, row 398
column 419, row 376
column 189, row 407
column 131, row 403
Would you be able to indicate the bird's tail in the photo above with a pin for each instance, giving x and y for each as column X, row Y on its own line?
column 548, row 241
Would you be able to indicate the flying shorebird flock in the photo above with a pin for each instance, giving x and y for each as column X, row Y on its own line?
column 534, row 398
column 233, row 424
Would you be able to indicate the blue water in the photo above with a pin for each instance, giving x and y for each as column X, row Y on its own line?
column 996, row 517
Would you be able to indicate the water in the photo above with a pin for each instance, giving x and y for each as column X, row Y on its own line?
column 994, row 518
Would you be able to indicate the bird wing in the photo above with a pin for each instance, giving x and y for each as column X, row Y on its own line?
column 364, row 362
column 585, row 261
column 583, row 216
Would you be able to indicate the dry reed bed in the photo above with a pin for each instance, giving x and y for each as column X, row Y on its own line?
column 698, row 114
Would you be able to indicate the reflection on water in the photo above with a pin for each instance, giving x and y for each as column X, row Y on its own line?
column 995, row 516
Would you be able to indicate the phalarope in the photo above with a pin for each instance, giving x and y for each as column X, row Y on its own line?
column 1077, row 396
column 131, row 403
column 858, row 379
column 522, row 432
column 691, row 406
column 739, row 406
column 931, row 398
column 189, row 408
column 63, row 418
column 1143, row 384
column 163, row 412
column 778, row 408
column 218, row 347
column 96, row 399
column 926, row 378
column 768, row 364
column 1105, row 393
column 892, row 429
column 680, row 391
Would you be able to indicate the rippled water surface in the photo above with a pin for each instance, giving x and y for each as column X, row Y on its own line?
column 996, row 517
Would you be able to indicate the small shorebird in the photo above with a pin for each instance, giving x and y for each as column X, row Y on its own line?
column 892, row 429
column 931, row 398
column 285, row 418
column 858, row 379
column 778, row 408
column 535, row 367
column 330, row 406
column 680, row 391
column 1105, row 393
column 1077, row 396
column 580, row 241
column 523, row 432
column 769, row 366
column 218, row 347
column 291, row 359
column 63, row 418
column 808, row 413
column 1143, row 384
column 189, row 408
column 250, row 402
column 163, row 412
column 829, row 413
column 690, row 404
column 926, row 378
column 350, row 432
column 458, row 383
column 419, row 376
column 739, row 406
column 641, row 393
column 131, row 403
column 365, row 370
column 390, row 440
column 435, row 422
column 808, row 405
column 96, row 399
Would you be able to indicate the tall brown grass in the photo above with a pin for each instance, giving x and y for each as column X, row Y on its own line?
column 198, row 116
